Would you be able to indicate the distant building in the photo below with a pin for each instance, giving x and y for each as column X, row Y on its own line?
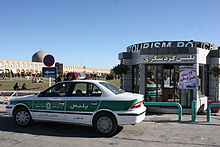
column 35, row 67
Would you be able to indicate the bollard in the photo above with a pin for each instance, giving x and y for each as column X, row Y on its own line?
column 180, row 109
column 193, row 108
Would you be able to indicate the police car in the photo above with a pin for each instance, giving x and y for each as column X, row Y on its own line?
column 88, row 102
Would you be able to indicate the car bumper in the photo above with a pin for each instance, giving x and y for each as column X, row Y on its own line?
column 131, row 117
column 9, row 110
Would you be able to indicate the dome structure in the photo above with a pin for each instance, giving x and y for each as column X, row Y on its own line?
column 38, row 56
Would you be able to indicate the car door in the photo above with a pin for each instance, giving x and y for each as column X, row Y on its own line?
column 50, row 104
column 83, row 103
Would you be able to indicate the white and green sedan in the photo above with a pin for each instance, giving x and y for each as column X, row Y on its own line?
column 88, row 102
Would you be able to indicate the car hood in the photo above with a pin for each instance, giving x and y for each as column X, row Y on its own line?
column 28, row 97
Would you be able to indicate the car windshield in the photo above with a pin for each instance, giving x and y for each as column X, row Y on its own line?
column 113, row 88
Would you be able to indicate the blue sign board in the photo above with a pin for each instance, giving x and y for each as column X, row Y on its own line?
column 49, row 72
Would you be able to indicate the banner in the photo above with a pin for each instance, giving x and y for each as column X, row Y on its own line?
column 187, row 77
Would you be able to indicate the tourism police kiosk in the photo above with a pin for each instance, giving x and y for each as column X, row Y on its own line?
column 156, row 67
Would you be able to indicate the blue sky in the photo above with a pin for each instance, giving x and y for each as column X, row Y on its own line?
column 93, row 32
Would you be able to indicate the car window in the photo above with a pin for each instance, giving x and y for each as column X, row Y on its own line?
column 93, row 90
column 86, row 90
column 113, row 88
column 79, row 89
column 59, row 90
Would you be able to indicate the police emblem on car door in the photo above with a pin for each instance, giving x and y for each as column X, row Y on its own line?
column 50, row 104
column 83, row 103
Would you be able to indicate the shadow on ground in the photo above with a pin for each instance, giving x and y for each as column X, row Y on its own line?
column 201, row 120
column 50, row 129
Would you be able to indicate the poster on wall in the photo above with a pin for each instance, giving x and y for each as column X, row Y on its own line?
column 187, row 77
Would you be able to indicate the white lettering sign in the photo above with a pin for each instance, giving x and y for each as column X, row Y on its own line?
column 48, row 105
column 49, row 72
column 169, row 59
column 187, row 77
column 165, row 44
column 43, row 115
column 79, row 106
column 180, row 44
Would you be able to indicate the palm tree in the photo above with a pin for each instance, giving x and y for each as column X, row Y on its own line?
column 120, row 69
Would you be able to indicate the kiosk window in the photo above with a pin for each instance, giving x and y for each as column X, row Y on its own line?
column 168, row 77
column 154, row 82
column 162, row 85
column 136, row 78
column 203, row 79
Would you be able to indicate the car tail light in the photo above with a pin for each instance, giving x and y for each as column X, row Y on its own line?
column 137, row 105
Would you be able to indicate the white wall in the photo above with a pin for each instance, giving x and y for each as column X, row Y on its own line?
column 201, row 55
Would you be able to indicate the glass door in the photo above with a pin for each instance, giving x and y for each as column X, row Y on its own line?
column 169, row 84
column 154, row 82
column 162, row 85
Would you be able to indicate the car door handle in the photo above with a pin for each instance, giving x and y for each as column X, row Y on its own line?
column 94, row 103
column 61, row 103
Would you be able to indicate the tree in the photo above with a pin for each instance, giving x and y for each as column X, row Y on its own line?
column 120, row 69
column 215, row 71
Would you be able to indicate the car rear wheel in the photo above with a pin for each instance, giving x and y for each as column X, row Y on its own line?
column 105, row 124
column 22, row 117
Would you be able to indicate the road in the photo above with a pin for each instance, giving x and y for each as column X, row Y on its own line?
column 156, row 130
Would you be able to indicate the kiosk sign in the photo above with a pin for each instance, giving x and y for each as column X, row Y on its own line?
column 187, row 77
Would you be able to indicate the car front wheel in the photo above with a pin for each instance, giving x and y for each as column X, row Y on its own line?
column 22, row 117
column 105, row 124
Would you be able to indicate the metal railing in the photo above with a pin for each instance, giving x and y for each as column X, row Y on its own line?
column 209, row 110
column 180, row 109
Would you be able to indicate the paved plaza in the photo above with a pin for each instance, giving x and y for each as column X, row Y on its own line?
column 156, row 130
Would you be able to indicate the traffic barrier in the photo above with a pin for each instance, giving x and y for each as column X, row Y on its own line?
column 4, row 101
column 18, row 93
column 7, row 99
column 180, row 109
column 14, row 94
column 209, row 110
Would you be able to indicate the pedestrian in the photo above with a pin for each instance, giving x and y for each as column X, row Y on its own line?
column 16, row 86
column 24, row 87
